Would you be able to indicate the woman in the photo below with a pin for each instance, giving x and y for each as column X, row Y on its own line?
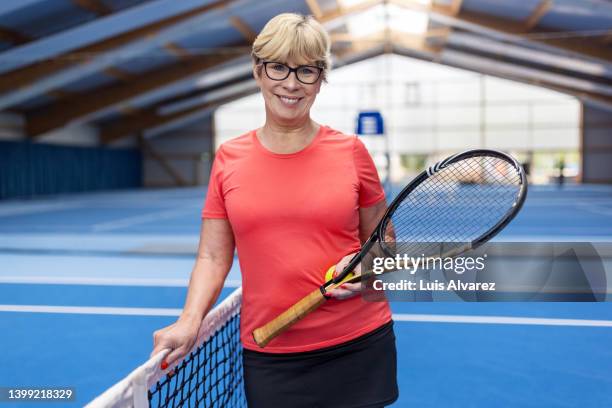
column 294, row 197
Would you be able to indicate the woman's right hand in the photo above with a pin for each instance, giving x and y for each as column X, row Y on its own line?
column 179, row 337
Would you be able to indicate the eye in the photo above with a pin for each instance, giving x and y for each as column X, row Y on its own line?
column 278, row 67
column 309, row 71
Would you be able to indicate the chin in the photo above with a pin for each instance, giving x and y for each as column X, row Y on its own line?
column 287, row 116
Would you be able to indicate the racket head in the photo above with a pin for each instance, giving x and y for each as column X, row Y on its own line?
column 467, row 198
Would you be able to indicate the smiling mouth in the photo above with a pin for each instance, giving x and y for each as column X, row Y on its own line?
column 287, row 100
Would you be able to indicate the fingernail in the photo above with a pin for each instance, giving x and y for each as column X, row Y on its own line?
column 164, row 365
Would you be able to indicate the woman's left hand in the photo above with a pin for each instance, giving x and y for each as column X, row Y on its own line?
column 346, row 290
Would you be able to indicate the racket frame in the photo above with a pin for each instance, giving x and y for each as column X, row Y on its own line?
column 377, row 236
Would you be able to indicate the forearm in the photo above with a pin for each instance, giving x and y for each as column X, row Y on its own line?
column 205, row 285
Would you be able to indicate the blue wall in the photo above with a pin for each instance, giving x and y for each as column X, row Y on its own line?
column 32, row 169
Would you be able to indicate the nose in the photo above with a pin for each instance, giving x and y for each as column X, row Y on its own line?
column 291, row 82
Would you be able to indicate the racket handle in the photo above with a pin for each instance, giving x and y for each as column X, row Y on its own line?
column 264, row 334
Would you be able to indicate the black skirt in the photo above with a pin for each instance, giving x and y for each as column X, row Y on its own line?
column 358, row 373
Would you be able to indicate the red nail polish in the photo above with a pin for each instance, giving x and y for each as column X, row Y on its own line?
column 164, row 365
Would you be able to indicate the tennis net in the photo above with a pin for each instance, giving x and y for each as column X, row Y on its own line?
column 210, row 375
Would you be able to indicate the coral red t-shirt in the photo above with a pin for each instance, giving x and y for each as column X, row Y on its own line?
column 293, row 216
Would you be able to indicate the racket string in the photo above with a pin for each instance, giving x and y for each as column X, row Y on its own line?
column 459, row 203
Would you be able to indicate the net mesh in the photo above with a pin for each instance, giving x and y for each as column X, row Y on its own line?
column 210, row 375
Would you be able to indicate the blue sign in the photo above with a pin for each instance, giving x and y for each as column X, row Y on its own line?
column 370, row 123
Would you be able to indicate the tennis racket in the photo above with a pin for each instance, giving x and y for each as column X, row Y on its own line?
column 462, row 201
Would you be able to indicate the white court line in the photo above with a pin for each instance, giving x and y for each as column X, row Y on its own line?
column 69, row 280
column 535, row 321
column 115, row 311
column 142, row 219
column 136, row 311
column 59, row 280
column 553, row 238
column 562, row 202
column 20, row 209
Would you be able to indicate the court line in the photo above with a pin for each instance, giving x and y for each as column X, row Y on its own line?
column 505, row 237
column 420, row 318
column 549, row 202
column 535, row 321
column 143, row 219
column 136, row 252
column 16, row 210
column 114, row 281
column 552, row 238
column 115, row 311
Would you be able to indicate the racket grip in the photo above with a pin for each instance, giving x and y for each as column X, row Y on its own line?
column 264, row 334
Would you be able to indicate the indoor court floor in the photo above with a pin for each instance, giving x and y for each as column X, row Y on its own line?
column 85, row 280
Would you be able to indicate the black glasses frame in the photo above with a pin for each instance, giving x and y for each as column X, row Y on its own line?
column 290, row 70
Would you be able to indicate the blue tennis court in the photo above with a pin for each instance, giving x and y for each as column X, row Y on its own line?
column 86, row 279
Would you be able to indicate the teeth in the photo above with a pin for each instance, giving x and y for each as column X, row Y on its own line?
column 289, row 101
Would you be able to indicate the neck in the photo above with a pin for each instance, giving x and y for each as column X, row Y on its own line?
column 279, row 138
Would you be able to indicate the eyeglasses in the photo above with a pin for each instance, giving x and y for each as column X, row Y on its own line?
column 306, row 74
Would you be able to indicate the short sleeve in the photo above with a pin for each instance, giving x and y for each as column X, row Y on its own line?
column 370, row 190
column 214, row 205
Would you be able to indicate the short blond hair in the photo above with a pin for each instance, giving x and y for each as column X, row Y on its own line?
column 295, row 37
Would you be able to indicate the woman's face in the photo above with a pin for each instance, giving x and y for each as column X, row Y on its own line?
column 288, row 101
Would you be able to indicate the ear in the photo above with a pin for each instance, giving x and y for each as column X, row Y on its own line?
column 256, row 76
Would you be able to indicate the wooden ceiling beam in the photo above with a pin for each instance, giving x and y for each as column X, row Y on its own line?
column 25, row 76
column 177, row 50
column 345, row 11
column 59, row 114
column 417, row 6
column 59, row 94
column 118, row 74
column 93, row 6
column 455, row 7
column 129, row 110
column 388, row 40
column 350, row 38
column 12, row 36
column 315, row 9
column 438, row 32
column 417, row 41
column 149, row 118
column 540, row 11
column 244, row 29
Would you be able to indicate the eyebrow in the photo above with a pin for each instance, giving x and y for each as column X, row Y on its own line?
column 314, row 64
